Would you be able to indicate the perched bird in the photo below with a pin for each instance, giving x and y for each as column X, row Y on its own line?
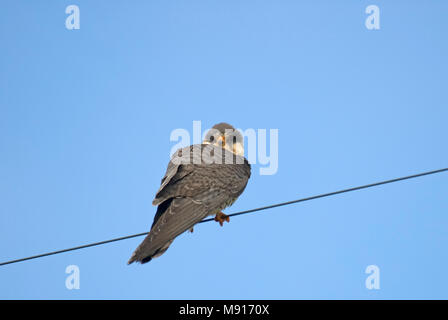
column 201, row 180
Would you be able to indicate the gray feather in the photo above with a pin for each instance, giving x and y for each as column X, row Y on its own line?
column 191, row 191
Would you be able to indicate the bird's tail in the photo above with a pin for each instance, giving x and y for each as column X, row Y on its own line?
column 146, row 250
column 140, row 254
column 173, row 217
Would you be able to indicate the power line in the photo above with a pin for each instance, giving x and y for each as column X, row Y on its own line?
column 323, row 195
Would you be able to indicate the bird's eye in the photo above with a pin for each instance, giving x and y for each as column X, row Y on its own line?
column 212, row 138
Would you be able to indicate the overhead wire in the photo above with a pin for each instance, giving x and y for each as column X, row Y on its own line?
column 323, row 195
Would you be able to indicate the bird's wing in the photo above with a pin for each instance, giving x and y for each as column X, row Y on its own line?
column 173, row 170
column 179, row 215
column 188, row 194
column 210, row 186
column 202, row 180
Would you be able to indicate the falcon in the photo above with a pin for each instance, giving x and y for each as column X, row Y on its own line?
column 201, row 180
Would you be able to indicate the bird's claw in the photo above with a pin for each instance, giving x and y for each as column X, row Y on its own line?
column 221, row 217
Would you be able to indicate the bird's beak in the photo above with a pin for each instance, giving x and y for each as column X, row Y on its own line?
column 238, row 149
column 221, row 141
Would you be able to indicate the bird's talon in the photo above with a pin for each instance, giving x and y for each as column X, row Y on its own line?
column 221, row 217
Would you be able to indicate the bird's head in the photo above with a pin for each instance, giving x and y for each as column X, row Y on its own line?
column 226, row 136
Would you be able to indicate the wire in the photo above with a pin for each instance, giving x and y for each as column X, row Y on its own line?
column 323, row 195
column 334, row 193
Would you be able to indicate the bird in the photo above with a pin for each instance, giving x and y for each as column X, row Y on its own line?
column 201, row 180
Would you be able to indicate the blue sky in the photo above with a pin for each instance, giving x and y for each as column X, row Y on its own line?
column 86, row 116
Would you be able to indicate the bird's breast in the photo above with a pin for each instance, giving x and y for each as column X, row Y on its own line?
column 224, row 205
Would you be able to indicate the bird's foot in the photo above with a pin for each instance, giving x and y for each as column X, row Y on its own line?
column 221, row 217
column 191, row 230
